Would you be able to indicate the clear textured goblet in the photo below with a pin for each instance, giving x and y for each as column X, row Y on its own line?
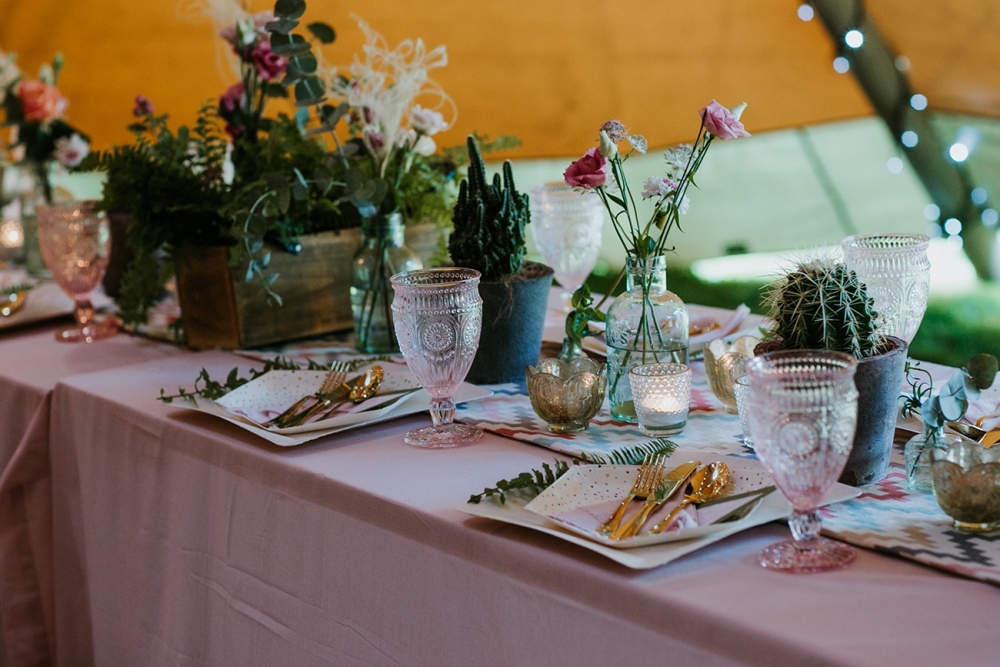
column 566, row 228
column 75, row 241
column 438, row 315
column 803, row 409
column 896, row 271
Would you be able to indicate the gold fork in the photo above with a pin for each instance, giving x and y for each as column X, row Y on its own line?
column 645, row 483
column 333, row 379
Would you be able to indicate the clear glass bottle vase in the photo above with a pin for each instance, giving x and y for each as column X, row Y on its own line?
column 646, row 324
column 381, row 255
column 917, row 456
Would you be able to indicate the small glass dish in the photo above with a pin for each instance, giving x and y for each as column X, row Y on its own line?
column 567, row 395
column 967, row 484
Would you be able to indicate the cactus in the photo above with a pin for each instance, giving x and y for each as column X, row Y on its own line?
column 822, row 305
column 489, row 221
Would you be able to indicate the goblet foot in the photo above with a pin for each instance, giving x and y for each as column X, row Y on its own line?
column 445, row 436
column 818, row 555
column 89, row 332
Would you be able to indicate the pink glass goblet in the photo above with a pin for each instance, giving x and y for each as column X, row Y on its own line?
column 803, row 409
column 75, row 241
column 438, row 315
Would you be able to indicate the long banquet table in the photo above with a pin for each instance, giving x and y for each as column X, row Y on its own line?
column 179, row 539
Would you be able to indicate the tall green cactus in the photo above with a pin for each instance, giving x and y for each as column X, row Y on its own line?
column 821, row 305
column 489, row 221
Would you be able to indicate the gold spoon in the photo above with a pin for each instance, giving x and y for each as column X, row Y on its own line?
column 12, row 302
column 362, row 390
column 706, row 484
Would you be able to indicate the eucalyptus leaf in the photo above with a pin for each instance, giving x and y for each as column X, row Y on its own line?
column 289, row 9
column 275, row 90
column 282, row 26
column 982, row 370
column 953, row 406
column 289, row 45
column 264, row 261
column 284, row 199
column 309, row 91
column 323, row 32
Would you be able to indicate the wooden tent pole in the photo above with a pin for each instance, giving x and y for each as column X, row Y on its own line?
column 877, row 70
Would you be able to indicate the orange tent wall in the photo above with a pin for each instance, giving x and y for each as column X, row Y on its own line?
column 547, row 71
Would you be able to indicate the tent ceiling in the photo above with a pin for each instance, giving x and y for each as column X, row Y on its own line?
column 548, row 71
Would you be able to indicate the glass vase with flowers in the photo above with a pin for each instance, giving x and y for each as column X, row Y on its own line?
column 647, row 323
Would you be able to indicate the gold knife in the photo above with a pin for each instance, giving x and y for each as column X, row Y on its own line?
column 672, row 481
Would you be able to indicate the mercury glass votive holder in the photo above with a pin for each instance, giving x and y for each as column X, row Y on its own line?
column 967, row 484
column 662, row 394
column 567, row 395
column 741, row 389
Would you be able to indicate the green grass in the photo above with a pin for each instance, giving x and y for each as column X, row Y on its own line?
column 954, row 328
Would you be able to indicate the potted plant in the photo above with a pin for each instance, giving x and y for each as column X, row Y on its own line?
column 489, row 236
column 249, row 211
column 823, row 305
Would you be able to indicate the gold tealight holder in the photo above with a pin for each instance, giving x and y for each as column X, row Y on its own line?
column 567, row 395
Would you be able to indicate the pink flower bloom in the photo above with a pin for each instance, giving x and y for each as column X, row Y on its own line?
column 70, row 151
column 589, row 172
column 721, row 122
column 373, row 139
column 143, row 107
column 40, row 102
column 232, row 100
column 615, row 130
column 235, row 131
column 427, row 121
column 269, row 64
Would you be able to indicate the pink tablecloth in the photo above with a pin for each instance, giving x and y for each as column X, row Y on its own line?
column 180, row 539
column 32, row 365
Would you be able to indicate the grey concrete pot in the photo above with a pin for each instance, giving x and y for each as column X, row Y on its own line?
column 879, row 380
column 513, row 320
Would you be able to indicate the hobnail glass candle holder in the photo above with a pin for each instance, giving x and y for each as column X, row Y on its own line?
column 662, row 394
column 567, row 395
column 967, row 484
column 896, row 271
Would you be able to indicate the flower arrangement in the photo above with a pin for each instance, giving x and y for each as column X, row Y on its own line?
column 601, row 169
column 390, row 130
column 35, row 108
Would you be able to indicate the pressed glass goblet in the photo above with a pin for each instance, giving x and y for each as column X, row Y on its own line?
column 803, row 409
column 438, row 315
column 896, row 271
column 75, row 241
column 566, row 228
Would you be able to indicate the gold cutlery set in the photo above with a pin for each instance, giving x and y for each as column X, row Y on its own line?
column 335, row 391
column 702, row 486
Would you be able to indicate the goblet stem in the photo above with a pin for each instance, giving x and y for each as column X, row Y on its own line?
column 442, row 411
column 805, row 527
column 83, row 312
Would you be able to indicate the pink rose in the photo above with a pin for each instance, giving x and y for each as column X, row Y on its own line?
column 231, row 101
column 589, row 172
column 721, row 122
column 269, row 64
column 40, row 102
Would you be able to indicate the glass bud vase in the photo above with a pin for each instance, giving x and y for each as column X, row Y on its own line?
column 646, row 324
column 31, row 196
column 382, row 254
column 917, row 454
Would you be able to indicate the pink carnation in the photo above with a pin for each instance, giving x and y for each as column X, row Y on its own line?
column 231, row 101
column 720, row 122
column 589, row 172
column 269, row 64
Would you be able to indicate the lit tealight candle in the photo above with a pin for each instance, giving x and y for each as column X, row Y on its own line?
column 662, row 395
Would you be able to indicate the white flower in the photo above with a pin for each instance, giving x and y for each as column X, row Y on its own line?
column 677, row 159
column 608, row 148
column 685, row 205
column 427, row 121
column 638, row 142
column 425, row 146
column 71, row 150
column 737, row 110
column 657, row 187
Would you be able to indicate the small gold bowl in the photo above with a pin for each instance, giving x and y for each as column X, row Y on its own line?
column 567, row 395
column 967, row 484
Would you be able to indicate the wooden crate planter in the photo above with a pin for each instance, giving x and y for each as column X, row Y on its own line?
column 221, row 310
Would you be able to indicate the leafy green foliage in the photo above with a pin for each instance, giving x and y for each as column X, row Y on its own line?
column 206, row 387
column 952, row 401
column 527, row 485
column 820, row 305
column 489, row 220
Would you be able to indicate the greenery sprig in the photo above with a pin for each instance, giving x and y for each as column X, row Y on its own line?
column 206, row 387
column 527, row 485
